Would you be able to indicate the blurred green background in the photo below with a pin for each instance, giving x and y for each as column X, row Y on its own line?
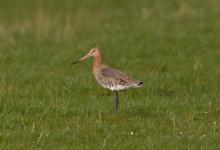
column 173, row 46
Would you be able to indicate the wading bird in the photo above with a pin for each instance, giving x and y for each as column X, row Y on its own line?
column 109, row 78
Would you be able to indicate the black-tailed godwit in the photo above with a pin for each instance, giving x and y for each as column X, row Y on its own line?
column 109, row 78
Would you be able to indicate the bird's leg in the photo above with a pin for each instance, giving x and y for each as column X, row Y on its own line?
column 116, row 100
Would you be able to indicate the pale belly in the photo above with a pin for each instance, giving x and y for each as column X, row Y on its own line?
column 115, row 87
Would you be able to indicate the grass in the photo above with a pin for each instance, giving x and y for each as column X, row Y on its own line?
column 45, row 103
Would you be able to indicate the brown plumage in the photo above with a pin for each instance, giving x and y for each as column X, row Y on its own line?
column 109, row 78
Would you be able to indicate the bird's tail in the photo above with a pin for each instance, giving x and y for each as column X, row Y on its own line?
column 138, row 83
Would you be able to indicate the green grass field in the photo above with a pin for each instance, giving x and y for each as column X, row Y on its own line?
column 173, row 46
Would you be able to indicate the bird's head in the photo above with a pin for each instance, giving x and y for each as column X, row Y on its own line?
column 94, row 52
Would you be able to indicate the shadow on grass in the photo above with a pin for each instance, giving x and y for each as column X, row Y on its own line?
column 144, row 112
column 164, row 92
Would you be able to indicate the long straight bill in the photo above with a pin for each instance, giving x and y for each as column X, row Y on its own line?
column 75, row 62
column 81, row 59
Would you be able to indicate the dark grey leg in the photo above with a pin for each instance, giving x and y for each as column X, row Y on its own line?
column 116, row 100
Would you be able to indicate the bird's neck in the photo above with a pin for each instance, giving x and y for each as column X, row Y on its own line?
column 97, row 63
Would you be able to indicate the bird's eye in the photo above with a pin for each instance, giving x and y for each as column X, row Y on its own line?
column 93, row 50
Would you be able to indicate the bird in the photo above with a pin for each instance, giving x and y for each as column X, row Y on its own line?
column 108, row 77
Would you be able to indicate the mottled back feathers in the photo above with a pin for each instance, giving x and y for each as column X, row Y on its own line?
column 114, row 79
